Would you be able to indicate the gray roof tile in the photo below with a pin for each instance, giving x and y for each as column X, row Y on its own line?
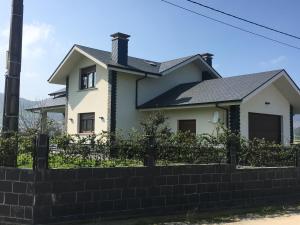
column 211, row 91
column 142, row 65
column 48, row 103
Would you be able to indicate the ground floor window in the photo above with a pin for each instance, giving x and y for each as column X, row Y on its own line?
column 87, row 122
column 265, row 126
column 187, row 126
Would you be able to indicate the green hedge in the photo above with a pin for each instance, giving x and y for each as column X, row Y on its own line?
column 155, row 138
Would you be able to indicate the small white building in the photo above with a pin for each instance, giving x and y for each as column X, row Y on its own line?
column 108, row 91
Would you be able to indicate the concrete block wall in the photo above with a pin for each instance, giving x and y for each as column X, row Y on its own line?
column 16, row 195
column 49, row 196
column 116, row 192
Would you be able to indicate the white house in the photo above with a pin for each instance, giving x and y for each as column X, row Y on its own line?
column 107, row 91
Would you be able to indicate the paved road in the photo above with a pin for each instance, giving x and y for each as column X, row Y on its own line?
column 282, row 219
column 293, row 219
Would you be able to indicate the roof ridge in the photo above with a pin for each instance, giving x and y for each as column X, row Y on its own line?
column 189, row 56
column 110, row 53
column 155, row 61
column 253, row 74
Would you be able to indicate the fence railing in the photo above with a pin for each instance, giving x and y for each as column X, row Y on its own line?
column 36, row 151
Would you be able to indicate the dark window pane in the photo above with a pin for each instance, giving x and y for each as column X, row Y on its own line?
column 187, row 125
column 265, row 126
column 87, row 121
column 87, row 77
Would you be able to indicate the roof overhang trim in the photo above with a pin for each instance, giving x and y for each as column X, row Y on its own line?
column 57, row 73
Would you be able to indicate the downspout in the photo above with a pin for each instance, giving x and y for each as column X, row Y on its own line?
column 227, row 116
column 137, row 88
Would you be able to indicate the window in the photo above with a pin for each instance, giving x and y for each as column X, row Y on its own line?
column 187, row 125
column 87, row 122
column 87, row 77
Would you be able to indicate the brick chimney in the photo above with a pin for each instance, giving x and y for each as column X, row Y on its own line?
column 208, row 58
column 119, row 52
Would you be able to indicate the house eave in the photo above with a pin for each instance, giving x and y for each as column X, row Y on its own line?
column 132, row 71
column 47, row 109
column 54, row 78
column 194, row 105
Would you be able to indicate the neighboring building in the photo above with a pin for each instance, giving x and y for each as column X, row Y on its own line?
column 107, row 91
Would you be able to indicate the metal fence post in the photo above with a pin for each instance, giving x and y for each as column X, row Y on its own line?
column 297, row 155
column 42, row 152
column 149, row 159
column 233, row 146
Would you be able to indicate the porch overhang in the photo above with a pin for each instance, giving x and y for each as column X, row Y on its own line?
column 57, row 105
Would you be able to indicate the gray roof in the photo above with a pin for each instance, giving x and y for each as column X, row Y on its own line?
column 48, row 103
column 137, row 64
column 211, row 91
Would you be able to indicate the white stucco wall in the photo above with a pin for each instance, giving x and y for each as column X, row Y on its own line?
column 203, row 117
column 127, row 116
column 152, row 87
column 278, row 106
column 90, row 100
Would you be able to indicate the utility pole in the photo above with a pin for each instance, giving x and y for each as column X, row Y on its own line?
column 10, row 122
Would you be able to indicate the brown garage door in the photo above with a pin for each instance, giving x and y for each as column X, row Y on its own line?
column 265, row 126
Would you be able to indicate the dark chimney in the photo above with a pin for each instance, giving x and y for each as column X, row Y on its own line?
column 119, row 52
column 208, row 58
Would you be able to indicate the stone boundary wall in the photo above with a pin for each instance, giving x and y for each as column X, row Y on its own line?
column 16, row 196
column 121, row 192
column 49, row 196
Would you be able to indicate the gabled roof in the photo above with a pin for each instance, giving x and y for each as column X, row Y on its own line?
column 134, row 64
column 228, row 89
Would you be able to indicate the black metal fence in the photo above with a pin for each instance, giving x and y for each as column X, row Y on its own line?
column 93, row 151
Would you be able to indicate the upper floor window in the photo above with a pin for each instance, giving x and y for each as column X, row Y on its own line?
column 87, row 77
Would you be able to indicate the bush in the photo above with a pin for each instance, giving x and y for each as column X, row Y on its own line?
column 153, row 140
column 261, row 153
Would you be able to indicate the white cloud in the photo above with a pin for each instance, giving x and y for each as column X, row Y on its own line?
column 274, row 62
column 5, row 32
column 39, row 48
column 31, row 74
column 35, row 36
column 36, row 32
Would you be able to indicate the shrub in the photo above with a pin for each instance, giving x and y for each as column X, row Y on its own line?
column 260, row 152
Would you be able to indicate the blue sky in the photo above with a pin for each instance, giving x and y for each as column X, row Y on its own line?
column 158, row 32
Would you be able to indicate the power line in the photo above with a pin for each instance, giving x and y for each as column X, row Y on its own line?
column 233, row 26
column 245, row 20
